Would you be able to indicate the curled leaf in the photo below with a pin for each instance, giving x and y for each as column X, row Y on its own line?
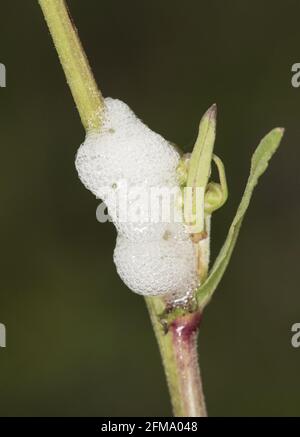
column 216, row 193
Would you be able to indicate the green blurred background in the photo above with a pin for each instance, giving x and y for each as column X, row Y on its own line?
column 78, row 341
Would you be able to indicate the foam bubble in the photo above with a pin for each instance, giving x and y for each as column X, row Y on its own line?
column 152, row 258
column 148, row 217
column 163, row 267
column 126, row 149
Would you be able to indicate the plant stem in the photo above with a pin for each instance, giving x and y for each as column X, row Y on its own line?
column 79, row 76
column 178, row 348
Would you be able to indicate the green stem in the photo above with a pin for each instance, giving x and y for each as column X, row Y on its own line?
column 79, row 76
column 178, row 348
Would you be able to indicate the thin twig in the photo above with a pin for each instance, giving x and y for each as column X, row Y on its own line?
column 79, row 76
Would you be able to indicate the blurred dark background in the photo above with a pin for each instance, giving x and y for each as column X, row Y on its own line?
column 78, row 341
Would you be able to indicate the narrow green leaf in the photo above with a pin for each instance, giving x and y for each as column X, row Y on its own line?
column 200, row 162
column 259, row 164
column 200, row 165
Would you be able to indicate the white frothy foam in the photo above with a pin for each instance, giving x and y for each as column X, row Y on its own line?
column 151, row 258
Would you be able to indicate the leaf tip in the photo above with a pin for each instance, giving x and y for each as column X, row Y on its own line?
column 279, row 130
column 212, row 112
column 210, row 116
